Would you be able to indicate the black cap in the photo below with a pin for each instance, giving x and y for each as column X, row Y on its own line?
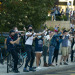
column 65, row 31
column 30, row 26
column 11, row 31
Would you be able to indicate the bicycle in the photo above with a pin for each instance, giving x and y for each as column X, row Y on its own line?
column 10, row 61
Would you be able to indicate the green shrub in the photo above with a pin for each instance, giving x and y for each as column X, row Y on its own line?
column 65, row 18
column 51, row 28
column 59, row 18
column 2, row 39
column 49, row 18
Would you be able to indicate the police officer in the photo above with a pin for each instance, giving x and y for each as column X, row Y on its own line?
column 11, row 48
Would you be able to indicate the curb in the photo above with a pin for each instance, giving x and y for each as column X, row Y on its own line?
column 49, row 69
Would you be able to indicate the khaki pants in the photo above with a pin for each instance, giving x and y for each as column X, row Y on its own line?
column 65, row 51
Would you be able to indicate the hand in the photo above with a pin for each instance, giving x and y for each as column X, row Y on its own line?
column 32, row 32
column 48, row 50
column 18, row 35
column 24, row 28
column 18, row 38
column 46, row 29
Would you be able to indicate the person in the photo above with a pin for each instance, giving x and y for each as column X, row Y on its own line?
column 62, row 12
column 69, row 46
column 56, row 28
column 56, row 51
column 52, row 45
column 53, row 17
column 72, row 25
column 38, row 49
column 72, row 51
column 46, row 48
column 17, row 31
column 28, row 45
column 64, row 50
column 67, row 12
column 11, row 48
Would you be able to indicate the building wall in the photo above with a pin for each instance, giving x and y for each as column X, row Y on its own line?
column 63, row 24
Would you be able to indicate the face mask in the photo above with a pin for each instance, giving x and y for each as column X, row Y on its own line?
column 16, row 30
column 45, row 37
column 30, row 30
column 39, row 36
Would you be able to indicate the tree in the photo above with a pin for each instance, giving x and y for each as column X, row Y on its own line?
column 24, row 12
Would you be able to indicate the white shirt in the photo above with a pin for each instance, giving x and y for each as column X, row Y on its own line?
column 72, row 25
column 69, row 42
column 48, row 37
column 29, row 40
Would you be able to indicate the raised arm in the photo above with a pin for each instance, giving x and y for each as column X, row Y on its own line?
column 15, row 42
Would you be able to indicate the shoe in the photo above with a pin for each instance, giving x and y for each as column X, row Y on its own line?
column 25, row 70
column 38, row 68
column 50, row 65
column 56, row 64
column 46, row 65
column 1, row 61
column 60, row 63
column 31, row 69
column 65, row 63
column 16, row 71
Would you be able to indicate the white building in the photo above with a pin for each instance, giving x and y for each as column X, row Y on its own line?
column 64, row 3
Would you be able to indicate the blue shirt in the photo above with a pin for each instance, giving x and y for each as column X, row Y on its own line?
column 58, row 44
column 38, row 44
column 53, row 41
column 65, row 41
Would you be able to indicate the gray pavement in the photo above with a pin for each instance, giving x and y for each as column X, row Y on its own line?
column 43, row 70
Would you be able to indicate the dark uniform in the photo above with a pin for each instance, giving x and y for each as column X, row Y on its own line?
column 11, row 49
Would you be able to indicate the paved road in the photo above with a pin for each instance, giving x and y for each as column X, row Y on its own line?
column 43, row 70
column 67, row 72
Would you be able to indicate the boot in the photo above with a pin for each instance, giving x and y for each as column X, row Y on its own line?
column 46, row 65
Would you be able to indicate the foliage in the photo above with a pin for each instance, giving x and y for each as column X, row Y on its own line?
column 25, row 12
column 49, row 18
column 2, row 39
column 65, row 18
column 51, row 28
column 59, row 18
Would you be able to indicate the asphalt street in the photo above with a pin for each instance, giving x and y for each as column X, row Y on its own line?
column 43, row 70
column 66, row 72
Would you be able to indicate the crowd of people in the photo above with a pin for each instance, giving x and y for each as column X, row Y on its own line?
column 57, row 11
column 45, row 42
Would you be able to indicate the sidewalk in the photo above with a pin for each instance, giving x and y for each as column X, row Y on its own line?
column 43, row 70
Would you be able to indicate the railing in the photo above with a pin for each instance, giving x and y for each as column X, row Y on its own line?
column 5, row 34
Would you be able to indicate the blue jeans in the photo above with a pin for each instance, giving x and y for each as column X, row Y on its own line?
column 51, row 52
